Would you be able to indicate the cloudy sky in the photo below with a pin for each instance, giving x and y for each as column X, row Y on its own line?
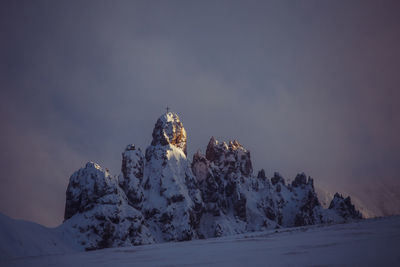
column 307, row 86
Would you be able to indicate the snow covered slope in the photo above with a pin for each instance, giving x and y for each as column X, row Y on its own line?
column 372, row 242
column 20, row 238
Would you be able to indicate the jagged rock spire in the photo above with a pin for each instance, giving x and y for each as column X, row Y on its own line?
column 169, row 130
column 132, row 170
column 344, row 207
column 231, row 155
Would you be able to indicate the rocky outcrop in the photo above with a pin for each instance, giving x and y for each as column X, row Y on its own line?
column 131, row 177
column 161, row 196
column 277, row 179
column 344, row 207
column 310, row 210
column 98, row 212
column 169, row 131
column 89, row 187
column 229, row 158
column 224, row 176
column 235, row 201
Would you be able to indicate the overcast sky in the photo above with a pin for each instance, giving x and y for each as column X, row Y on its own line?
column 307, row 86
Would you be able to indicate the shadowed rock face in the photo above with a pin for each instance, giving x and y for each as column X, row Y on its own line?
column 131, row 176
column 200, row 166
column 132, row 162
column 277, row 179
column 307, row 214
column 261, row 174
column 344, row 207
column 169, row 130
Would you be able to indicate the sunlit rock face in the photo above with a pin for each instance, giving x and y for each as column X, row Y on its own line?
column 169, row 131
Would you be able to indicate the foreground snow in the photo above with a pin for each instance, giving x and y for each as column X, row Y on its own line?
column 19, row 238
column 373, row 242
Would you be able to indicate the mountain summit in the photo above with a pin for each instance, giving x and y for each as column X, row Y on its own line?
column 172, row 201
column 169, row 131
column 163, row 196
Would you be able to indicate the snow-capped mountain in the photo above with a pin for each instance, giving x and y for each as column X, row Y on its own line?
column 172, row 201
column 98, row 212
column 163, row 196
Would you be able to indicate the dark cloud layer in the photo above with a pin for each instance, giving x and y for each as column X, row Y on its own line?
column 306, row 86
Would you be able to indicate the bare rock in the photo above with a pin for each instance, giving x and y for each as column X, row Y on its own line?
column 169, row 130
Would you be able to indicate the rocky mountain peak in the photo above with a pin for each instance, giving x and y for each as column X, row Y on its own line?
column 211, row 152
column 301, row 180
column 162, row 196
column 235, row 145
column 132, row 162
column 169, row 131
column 261, row 174
column 231, row 155
column 88, row 187
column 132, row 170
column 344, row 207
column 93, row 165
column 277, row 178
